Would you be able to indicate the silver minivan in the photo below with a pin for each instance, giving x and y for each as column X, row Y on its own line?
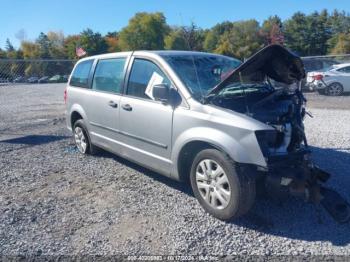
column 210, row 120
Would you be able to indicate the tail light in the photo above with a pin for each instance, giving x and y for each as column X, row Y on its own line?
column 65, row 95
column 317, row 77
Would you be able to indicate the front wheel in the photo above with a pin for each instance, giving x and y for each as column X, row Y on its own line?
column 220, row 187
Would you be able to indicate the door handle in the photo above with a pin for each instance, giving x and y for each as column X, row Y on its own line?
column 113, row 104
column 127, row 107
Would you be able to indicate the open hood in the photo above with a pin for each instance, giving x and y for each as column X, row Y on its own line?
column 273, row 61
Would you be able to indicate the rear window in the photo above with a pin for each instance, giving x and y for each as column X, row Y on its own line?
column 109, row 75
column 80, row 75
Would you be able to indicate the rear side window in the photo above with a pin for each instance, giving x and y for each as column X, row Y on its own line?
column 109, row 75
column 344, row 69
column 80, row 75
column 143, row 74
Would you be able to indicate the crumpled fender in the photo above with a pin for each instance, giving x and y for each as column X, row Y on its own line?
column 246, row 150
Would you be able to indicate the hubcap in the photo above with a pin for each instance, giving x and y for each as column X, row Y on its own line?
column 334, row 89
column 80, row 139
column 213, row 184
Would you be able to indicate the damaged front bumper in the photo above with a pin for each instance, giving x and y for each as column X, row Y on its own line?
column 295, row 174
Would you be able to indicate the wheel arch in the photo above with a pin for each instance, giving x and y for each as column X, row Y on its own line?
column 77, row 113
column 187, row 154
column 192, row 141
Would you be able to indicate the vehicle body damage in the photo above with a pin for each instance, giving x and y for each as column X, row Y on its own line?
column 249, row 90
column 222, row 125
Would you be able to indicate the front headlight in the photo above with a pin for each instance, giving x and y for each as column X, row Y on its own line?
column 275, row 141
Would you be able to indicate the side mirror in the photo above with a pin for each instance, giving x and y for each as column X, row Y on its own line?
column 161, row 92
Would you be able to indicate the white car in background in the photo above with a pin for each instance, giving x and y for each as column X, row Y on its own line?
column 333, row 81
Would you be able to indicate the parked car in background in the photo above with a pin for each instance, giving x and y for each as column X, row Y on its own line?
column 43, row 79
column 57, row 79
column 4, row 80
column 33, row 79
column 19, row 79
column 315, row 64
column 332, row 81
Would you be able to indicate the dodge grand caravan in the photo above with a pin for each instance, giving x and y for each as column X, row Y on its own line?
column 207, row 119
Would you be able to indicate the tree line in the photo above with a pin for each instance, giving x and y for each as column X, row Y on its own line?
column 318, row 33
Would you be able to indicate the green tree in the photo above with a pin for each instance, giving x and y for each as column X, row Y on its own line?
column 30, row 49
column 56, row 45
column 8, row 46
column 44, row 45
column 339, row 22
column 342, row 45
column 194, row 37
column 319, row 33
column 214, row 34
column 185, row 38
column 93, row 43
column 175, row 40
column 272, row 31
column 144, row 31
column 296, row 33
column 308, row 35
column 2, row 54
column 112, row 40
column 70, row 44
column 242, row 40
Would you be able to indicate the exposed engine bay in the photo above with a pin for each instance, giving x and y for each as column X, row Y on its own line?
column 281, row 108
column 267, row 88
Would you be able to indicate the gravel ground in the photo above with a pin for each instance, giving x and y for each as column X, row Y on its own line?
column 54, row 201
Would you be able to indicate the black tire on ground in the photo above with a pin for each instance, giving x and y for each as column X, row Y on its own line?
column 90, row 148
column 321, row 91
column 334, row 89
column 241, row 184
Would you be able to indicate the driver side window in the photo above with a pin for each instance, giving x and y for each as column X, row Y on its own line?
column 144, row 74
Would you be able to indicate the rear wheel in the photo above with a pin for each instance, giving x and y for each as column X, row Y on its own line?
column 220, row 187
column 334, row 89
column 81, row 138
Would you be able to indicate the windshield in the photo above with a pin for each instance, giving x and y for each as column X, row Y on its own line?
column 201, row 72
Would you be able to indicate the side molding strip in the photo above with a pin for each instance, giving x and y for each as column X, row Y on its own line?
column 130, row 135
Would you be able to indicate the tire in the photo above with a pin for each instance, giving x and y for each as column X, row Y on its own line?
column 334, row 89
column 208, row 191
column 82, row 137
column 321, row 91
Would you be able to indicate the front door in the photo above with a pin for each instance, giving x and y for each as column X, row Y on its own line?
column 146, row 124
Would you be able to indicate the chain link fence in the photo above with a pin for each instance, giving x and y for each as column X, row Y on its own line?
column 34, row 71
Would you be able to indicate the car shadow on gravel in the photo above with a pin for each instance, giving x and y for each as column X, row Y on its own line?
column 31, row 140
column 290, row 217
column 154, row 175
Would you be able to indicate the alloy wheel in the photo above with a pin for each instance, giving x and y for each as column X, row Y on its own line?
column 80, row 139
column 335, row 89
column 213, row 184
